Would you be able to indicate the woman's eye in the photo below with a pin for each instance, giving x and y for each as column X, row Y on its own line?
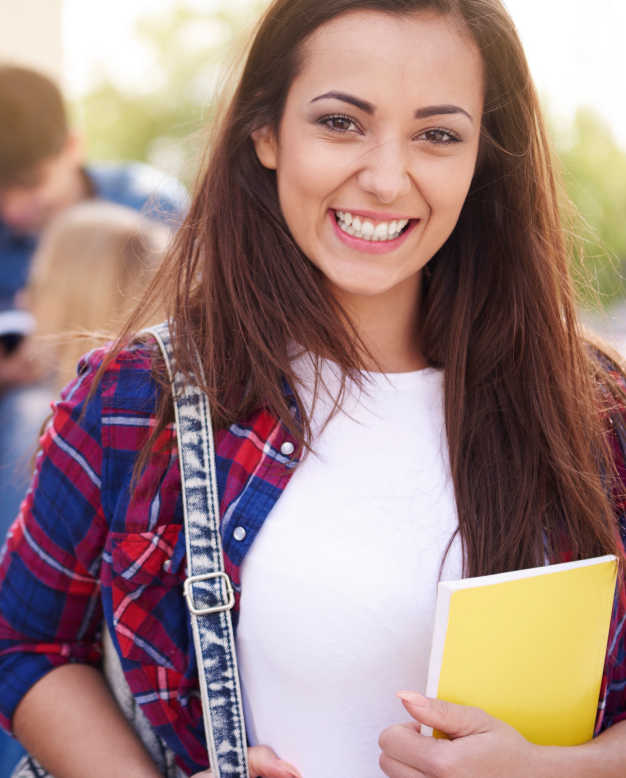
column 339, row 123
column 439, row 137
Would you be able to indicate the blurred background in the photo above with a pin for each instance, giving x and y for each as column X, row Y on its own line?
column 140, row 77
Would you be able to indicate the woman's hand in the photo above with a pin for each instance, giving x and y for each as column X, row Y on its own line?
column 263, row 764
column 480, row 746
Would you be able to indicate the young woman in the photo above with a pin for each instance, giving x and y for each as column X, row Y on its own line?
column 375, row 277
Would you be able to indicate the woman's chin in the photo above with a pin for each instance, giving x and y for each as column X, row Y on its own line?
column 350, row 286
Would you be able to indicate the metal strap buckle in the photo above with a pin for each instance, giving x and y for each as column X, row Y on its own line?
column 188, row 594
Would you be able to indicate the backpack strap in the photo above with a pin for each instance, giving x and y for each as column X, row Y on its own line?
column 208, row 590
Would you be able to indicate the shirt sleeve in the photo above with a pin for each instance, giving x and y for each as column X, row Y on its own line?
column 613, row 692
column 50, row 610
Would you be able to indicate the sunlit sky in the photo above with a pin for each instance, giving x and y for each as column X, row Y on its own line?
column 575, row 48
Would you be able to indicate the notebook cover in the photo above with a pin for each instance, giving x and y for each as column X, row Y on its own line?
column 531, row 650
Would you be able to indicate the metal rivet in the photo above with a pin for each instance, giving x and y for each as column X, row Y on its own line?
column 287, row 448
column 167, row 565
column 239, row 533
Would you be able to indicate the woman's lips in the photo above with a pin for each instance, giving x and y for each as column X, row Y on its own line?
column 369, row 246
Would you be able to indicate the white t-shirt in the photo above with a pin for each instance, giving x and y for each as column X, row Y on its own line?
column 339, row 588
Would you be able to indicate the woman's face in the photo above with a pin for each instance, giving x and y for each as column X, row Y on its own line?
column 377, row 146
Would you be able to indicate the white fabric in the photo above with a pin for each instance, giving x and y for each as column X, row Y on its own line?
column 339, row 588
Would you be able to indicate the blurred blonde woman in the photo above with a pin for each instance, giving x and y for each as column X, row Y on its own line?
column 88, row 273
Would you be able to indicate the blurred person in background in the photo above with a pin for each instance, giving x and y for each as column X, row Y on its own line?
column 42, row 173
column 88, row 273
column 91, row 265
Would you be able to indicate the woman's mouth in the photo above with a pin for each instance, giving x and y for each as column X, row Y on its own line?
column 365, row 229
column 370, row 235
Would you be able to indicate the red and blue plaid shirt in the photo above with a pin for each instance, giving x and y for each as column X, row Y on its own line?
column 81, row 551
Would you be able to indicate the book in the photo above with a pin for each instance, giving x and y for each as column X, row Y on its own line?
column 527, row 647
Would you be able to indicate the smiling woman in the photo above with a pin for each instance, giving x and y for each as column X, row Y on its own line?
column 372, row 291
column 395, row 143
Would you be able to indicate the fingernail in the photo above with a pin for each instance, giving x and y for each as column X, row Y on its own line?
column 413, row 698
column 289, row 767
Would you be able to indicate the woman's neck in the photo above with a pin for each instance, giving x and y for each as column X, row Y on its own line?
column 388, row 325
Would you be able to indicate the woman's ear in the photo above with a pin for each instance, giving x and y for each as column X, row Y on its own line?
column 264, row 140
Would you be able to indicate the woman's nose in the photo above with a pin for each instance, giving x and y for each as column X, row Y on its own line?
column 384, row 173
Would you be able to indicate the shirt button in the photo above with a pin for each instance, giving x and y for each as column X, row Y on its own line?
column 167, row 565
column 239, row 533
column 287, row 448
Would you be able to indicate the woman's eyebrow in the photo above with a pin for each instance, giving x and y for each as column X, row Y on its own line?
column 440, row 110
column 368, row 108
column 363, row 105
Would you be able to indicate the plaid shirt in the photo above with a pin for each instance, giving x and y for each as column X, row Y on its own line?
column 81, row 550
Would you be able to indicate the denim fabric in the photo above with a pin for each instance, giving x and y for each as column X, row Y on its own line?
column 22, row 412
column 10, row 754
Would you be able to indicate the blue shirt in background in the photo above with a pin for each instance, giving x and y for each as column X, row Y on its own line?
column 134, row 184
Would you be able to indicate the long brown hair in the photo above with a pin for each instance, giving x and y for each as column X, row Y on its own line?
column 527, row 441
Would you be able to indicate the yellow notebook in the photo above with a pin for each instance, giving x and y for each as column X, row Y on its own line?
column 527, row 647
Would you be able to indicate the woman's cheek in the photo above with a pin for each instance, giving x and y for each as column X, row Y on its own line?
column 445, row 195
column 301, row 182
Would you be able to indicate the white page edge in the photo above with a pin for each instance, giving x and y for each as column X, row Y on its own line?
column 442, row 611
column 518, row 575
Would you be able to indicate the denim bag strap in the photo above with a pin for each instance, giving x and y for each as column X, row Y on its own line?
column 208, row 590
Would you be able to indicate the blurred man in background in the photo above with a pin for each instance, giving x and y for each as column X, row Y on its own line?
column 43, row 171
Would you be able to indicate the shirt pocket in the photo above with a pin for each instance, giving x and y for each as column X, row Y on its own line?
column 149, row 612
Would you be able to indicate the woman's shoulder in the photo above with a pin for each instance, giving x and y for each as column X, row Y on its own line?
column 101, row 427
column 114, row 376
column 611, row 375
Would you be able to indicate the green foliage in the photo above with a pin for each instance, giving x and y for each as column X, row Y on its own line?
column 163, row 124
column 595, row 168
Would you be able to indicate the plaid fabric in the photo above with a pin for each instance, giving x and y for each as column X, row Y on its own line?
column 612, row 705
column 80, row 551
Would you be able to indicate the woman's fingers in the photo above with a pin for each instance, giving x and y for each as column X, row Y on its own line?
column 414, row 726
column 455, row 720
column 394, row 769
column 265, row 764
column 480, row 746
column 289, row 768
column 402, row 746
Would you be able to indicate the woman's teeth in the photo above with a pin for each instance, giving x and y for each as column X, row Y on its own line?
column 353, row 225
